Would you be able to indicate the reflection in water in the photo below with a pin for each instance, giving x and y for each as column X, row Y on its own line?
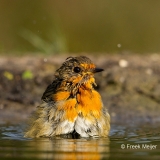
column 70, row 148
column 14, row 145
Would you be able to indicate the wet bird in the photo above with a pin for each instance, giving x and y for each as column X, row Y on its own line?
column 70, row 104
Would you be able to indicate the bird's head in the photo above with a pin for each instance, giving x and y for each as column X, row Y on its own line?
column 79, row 71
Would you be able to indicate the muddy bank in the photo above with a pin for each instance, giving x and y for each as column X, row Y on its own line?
column 130, row 85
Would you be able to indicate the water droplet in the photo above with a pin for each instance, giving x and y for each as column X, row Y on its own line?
column 119, row 45
column 45, row 59
column 123, row 63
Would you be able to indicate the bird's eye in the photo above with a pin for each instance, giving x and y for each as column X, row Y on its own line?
column 77, row 69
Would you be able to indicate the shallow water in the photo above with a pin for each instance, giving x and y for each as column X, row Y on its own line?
column 124, row 142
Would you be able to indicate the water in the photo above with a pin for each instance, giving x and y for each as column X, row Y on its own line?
column 124, row 142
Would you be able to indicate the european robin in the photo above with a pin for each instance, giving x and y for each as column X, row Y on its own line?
column 70, row 104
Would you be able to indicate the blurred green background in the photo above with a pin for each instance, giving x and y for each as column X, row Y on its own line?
column 58, row 26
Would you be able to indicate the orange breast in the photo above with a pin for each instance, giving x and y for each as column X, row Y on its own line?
column 89, row 102
column 61, row 96
column 69, row 108
column 67, row 105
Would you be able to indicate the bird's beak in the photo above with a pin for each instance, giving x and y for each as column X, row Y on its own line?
column 97, row 70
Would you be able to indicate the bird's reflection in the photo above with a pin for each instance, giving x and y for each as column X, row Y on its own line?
column 70, row 149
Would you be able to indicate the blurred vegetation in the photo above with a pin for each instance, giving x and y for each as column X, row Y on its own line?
column 27, row 75
column 8, row 75
column 52, row 26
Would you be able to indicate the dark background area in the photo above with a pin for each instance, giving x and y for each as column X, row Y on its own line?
column 52, row 26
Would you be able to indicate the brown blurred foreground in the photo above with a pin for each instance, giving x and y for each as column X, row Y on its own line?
column 130, row 85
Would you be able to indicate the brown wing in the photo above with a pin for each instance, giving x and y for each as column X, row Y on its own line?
column 50, row 90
